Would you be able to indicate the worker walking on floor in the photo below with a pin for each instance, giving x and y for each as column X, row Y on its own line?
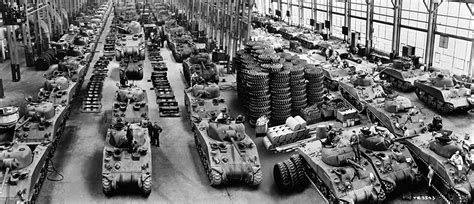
column 155, row 134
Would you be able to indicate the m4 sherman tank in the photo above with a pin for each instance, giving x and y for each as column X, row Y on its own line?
column 398, row 115
column 9, row 116
column 335, row 171
column 130, row 104
column 43, row 122
column 59, row 90
column 24, row 169
column 402, row 76
column 199, row 69
column 332, row 75
column 227, row 152
column 444, row 156
column 439, row 92
column 127, row 158
column 132, row 43
column 391, row 159
column 203, row 102
column 360, row 90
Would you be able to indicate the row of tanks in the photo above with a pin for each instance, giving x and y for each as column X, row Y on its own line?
column 227, row 153
column 28, row 142
column 127, row 160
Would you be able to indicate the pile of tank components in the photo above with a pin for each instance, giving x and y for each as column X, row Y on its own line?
column 156, row 60
column 92, row 102
column 110, row 43
column 273, row 84
column 295, row 129
column 127, row 158
column 198, row 69
column 165, row 98
column 440, row 93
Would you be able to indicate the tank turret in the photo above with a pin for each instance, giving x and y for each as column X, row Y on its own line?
column 440, row 93
column 198, row 69
column 59, row 90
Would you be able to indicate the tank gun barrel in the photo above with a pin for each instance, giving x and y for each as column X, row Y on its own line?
column 234, row 143
column 353, row 163
column 5, row 177
column 404, row 138
column 23, row 123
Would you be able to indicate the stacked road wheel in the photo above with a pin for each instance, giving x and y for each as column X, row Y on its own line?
column 315, row 87
column 281, row 96
column 298, row 89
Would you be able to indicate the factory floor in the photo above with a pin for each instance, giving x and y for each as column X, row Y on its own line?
column 178, row 175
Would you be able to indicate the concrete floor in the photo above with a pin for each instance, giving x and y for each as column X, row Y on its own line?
column 178, row 175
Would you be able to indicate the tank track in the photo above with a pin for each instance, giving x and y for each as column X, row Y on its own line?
column 215, row 178
column 353, row 101
column 37, row 186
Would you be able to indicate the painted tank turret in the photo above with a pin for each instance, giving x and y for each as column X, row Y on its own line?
column 402, row 74
column 44, row 122
column 199, row 69
column 227, row 153
column 440, row 93
column 131, row 43
column 127, row 161
column 360, row 90
column 391, row 159
column 335, row 171
column 24, row 169
column 130, row 104
column 442, row 152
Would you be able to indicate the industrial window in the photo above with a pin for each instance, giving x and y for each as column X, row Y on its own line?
column 456, row 23
column 414, row 25
column 338, row 8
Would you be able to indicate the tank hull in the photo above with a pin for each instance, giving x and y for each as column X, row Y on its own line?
column 224, row 163
column 403, row 79
column 436, row 98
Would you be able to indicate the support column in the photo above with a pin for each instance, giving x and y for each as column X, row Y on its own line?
column 432, row 16
column 329, row 17
column 301, row 23
column 38, row 33
column 369, row 26
column 397, row 20
column 279, row 8
column 347, row 19
column 249, row 23
column 13, row 48
column 471, row 62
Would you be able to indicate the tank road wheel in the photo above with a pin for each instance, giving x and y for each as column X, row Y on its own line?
column 300, row 170
column 447, row 108
column 146, row 186
column 215, row 178
column 282, row 177
column 389, row 187
column 407, row 86
column 257, row 178
column 418, row 93
column 334, row 86
column 381, row 196
column 454, row 196
column 293, row 174
column 106, row 186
